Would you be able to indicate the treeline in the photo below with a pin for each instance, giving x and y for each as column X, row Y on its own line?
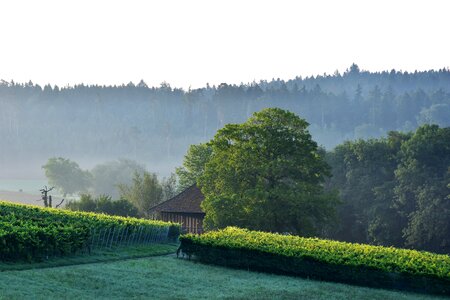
column 156, row 125
column 122, row 187
column 395, row 190
column 103, row 204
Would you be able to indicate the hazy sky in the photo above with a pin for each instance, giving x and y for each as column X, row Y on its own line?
column 189, row 43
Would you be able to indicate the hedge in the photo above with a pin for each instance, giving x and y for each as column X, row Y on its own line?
column 375, row 266
column 32, row 233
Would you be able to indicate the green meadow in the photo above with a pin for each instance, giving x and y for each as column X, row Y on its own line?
column 166, row 277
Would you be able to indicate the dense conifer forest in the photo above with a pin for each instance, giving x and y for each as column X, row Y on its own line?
column 155, row 125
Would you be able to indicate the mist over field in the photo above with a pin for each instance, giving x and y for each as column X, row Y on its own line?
column 155, row 125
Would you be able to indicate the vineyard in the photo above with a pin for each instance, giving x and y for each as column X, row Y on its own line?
column 33, row 233
column 367, row 265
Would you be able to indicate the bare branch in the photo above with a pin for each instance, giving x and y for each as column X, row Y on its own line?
column 60, row 203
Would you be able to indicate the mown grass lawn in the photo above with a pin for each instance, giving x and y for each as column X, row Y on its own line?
column 166, row 277
column 100, row 255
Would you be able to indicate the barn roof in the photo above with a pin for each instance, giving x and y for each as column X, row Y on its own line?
column 188, row 201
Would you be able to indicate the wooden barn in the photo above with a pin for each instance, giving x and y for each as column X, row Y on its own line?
column 184, row 208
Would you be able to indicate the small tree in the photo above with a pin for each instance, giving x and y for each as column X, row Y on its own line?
column 169, row 186
column 144, row 192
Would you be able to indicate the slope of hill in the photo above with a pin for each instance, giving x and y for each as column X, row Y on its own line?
column 170, row 278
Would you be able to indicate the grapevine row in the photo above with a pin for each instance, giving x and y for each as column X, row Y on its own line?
column 33, row 233
column 378, row 266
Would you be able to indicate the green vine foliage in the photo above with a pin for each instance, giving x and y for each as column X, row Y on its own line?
column 361, row 264
column 33, row 233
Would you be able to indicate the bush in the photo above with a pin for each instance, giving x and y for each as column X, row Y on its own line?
column 367, row 265
column 103, row 204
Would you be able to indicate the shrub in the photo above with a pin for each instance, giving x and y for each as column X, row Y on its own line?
column 103, row 204
column 375, row 266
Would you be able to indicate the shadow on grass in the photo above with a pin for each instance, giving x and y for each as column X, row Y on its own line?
column 97, row 256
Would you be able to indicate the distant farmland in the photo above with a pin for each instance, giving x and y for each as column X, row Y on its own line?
column 25, row 191
column 21, row 197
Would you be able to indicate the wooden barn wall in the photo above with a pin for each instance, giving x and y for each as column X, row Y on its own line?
column 190, row 223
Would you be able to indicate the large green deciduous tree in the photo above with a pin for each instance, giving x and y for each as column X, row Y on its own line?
column 266, row 174
column 363, row 172
column 422, row 191
column 66, row 175
column 394, row 190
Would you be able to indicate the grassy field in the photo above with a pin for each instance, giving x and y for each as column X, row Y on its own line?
column 103, row 255
column 166, row 277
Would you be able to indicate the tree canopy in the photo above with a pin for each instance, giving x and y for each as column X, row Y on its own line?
column 394, row 190
column 266, row 174
column 155, row 125
column 106, row 177
column 421, row 192
column 66, row 175
column 103, row 204
column 146, row 191
column 193, row 165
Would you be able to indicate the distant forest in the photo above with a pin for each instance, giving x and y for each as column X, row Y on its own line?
column 155, row 125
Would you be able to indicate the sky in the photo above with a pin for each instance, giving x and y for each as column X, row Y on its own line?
column 191, row 43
